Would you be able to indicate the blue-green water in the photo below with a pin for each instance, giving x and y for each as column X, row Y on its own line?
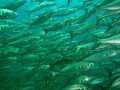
column 59, row 45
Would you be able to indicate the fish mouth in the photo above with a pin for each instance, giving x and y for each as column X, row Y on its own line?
column 16, row 14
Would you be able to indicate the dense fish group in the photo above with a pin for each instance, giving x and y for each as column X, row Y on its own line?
column 60, row 45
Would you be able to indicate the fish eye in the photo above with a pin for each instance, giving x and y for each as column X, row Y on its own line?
column 106, row 54
column 81, row 81
column 3, row 13
column 1, row 28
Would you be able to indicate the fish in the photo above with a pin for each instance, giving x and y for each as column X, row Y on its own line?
column 53, row 58
column 61, row 24
column 68, row 2
column 84, row 28
column 43, row 17
column 108, row 14
column 111, row 6
column 8, row 14
column 59, row 45
column 106, row 55
column 75, row 68
column 113, row 40
column 13, row 5
column 39, row 7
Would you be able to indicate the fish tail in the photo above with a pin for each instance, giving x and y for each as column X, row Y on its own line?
column 110, row 25
column 85, row 9
column 68, row 2
column 96, row 40
column 98, row 19
column 109, row 72
column 45, row 30
column 72, row 34
column 97, row 9
column 54, row 74
column 108, row 28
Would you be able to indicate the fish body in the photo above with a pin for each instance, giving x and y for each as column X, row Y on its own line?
column 66, row 12
column 75, row 68
column 39, row 7
column 43, row 17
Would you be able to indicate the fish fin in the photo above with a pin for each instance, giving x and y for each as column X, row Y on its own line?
column 68, row 2
column 96, row 40
column 45, row 30
column 72, row 34
column 27, row 11
column 108, row 28
column 111, row 24
column 85, row 9
column 98, row 17
column 111, row 82
column 97, row 9
column 109, row 72
column 54, row 74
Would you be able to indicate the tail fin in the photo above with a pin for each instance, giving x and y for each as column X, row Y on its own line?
column 27, row 11
column 72, row 34
column 109, row 72
column 45, row 30
column 97, row 9
column 68, row 2
column 98, row 19
column 54, row 74
column 111, row 25
column 96, row 40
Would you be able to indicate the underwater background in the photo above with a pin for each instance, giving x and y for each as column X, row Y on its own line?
column 59, row 45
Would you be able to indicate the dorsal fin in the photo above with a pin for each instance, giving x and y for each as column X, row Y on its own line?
column 68, row 2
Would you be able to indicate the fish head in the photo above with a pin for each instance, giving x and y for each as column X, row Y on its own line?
column 15, row 14
column 85, row 79
column 86, row 66
column 44, row 67
column 111, row 53
column 51, row 13
column 9, row 14
column 58, row 57
column 98, row 80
